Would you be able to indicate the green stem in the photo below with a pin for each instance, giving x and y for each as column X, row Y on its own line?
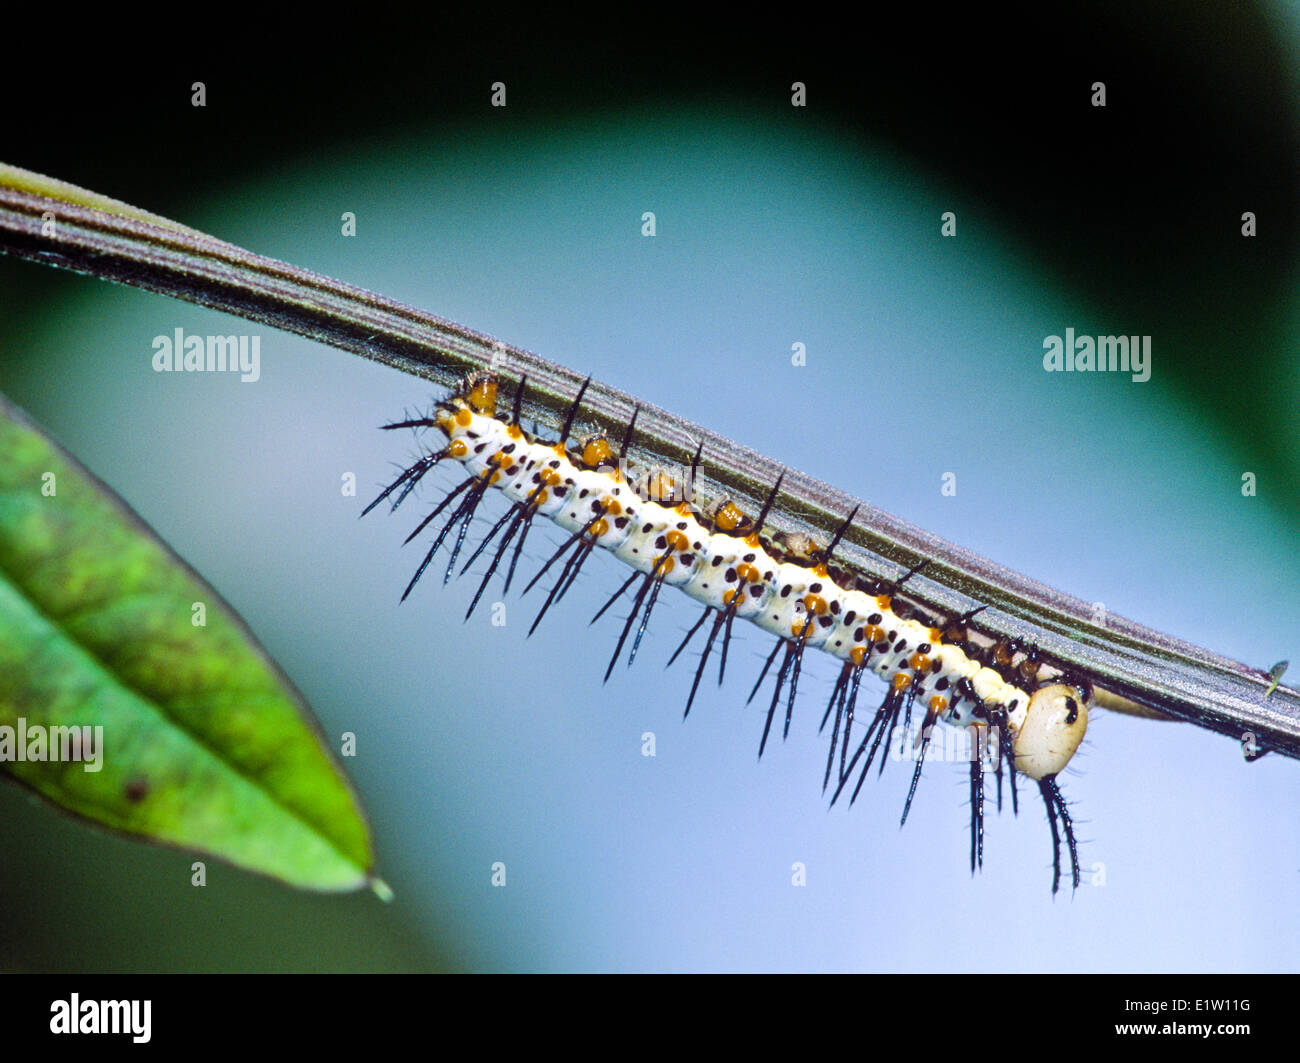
column 60, row 225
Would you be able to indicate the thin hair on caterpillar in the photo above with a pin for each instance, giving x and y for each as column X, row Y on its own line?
column 940, row 668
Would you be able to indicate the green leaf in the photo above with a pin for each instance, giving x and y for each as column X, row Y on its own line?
column 205, row 743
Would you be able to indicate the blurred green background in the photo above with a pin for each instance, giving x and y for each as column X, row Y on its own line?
column 776, row 225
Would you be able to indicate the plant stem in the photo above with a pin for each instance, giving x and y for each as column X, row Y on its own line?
column 60, row 225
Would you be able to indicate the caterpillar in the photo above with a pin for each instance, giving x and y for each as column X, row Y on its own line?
column 1022, row 713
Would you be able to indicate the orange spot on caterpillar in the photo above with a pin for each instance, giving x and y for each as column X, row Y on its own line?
column 597, row 452
column 464, row 418
column 901, row 681
column 920, row 662
column 815, row 604
column 857, row 655
column 601, row 527
column 728, row 518
column 938, row 704
column 483, row 396
column 747, row 573
column 883, row 601
column 677, row 541
column 458, row 449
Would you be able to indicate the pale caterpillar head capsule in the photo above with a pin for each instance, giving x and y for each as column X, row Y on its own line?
column 1053, row 727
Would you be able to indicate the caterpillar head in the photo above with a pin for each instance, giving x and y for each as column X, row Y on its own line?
column 1054, row 725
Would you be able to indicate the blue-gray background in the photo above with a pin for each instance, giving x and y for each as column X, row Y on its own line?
column 478, row 745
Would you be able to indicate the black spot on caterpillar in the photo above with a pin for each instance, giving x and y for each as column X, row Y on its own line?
column 1026, row 715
